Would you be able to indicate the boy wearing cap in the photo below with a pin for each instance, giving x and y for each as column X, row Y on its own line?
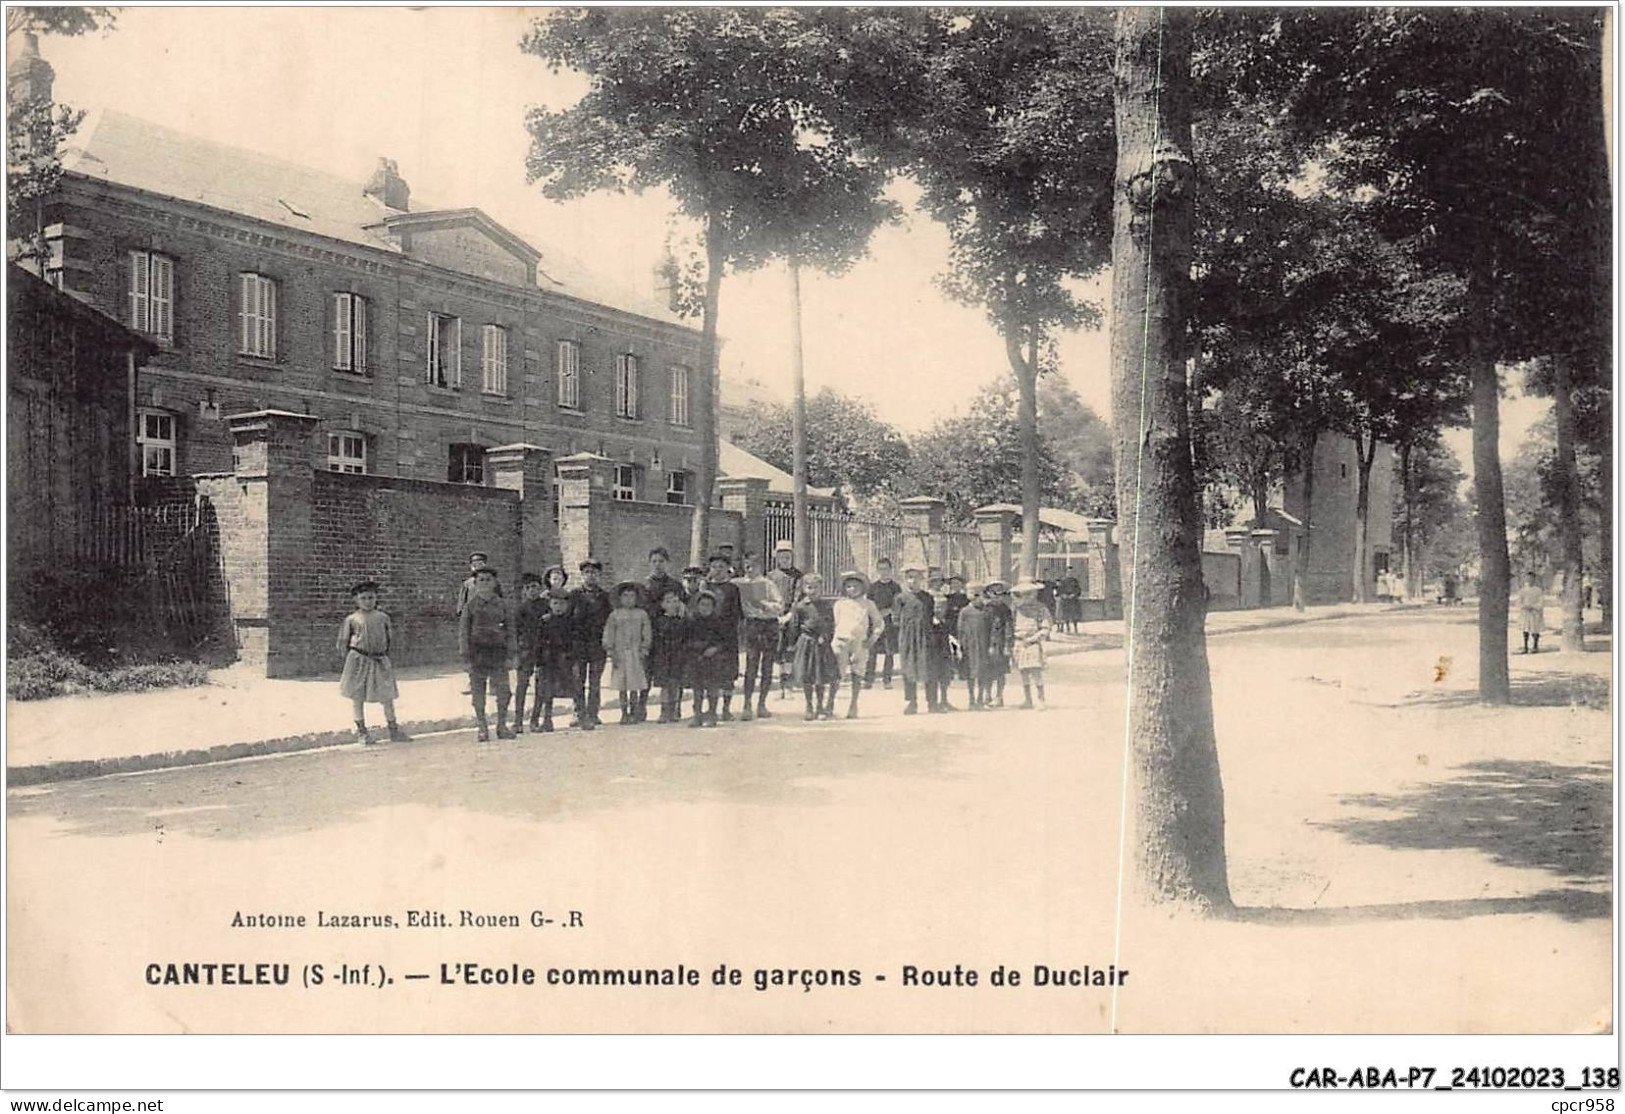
column 487, row 637
column 729, row 613
column 476, row 562
column 713, row 656
column 528, row 629
column 556, row 673
column 973, row 629
column 761, row 607
column 590, row 606
column 787, row 579
column 998, row 640
column 884, row 594
column 914, row 609
column 858, row 624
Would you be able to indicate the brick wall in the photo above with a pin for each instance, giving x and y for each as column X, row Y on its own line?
column 632, row 529
column 414, row 538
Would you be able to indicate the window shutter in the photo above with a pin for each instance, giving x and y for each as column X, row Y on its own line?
column 269, row 286
column 245, row 313
column 341, row 332
column 358, row 324
column 432, row 348
column 140, row 319
column 161, row 288
column 631, row 386
column 456, row 351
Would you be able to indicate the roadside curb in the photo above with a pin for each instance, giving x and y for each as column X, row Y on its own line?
column 78, row 769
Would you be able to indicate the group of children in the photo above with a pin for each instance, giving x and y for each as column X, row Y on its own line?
column 686, row 636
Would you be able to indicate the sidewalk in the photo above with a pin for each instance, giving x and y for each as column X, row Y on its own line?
column 241, row 715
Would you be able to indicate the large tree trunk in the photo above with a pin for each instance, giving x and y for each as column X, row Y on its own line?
column 1360, row 578
column 705, row 400
column 1300, row 564
column 1568, row 506
column 1603, row 581
column 800, row 524
column 1494, row 571
column 1026, row 372
column 1178, row 830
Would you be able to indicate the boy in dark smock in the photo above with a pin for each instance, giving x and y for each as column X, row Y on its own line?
column 883, row 592
column 590, row 606
column 913, row 610
column 528, row 621
column 713, row 656
column 489, row 641
column 556, row 673
column 729, row 613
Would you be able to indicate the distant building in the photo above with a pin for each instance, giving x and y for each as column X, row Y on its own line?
column 1331, row 517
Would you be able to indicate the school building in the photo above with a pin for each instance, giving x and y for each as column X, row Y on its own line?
column 344, row 380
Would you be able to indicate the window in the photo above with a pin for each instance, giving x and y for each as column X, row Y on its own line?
column 569, row 375
column 494, row 363
column 467, row 465
column 347, row 452
column 350, row 333
column 152, row 295
column 155, row 434
column 256, row 317
column 626, row 386
column 679, row 395
column 677, row 488
column 445, row 368
column 626, row 482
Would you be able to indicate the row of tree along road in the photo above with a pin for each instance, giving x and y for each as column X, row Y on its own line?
column 1316, row 221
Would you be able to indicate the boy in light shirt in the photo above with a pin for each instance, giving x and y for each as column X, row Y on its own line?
column 858, row 623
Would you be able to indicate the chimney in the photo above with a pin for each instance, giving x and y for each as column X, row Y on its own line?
column 387, row 185
column 29, row 76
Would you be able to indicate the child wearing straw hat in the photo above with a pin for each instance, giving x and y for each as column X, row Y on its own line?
column 1030, row 627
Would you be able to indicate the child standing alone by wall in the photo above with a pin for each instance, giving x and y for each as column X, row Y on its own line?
column 368, row 677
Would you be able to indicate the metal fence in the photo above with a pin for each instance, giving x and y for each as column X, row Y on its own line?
column 843, row 541
column 162, row 558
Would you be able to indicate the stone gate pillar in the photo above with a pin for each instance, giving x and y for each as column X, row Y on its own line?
column 268, row 545
column 996, row 525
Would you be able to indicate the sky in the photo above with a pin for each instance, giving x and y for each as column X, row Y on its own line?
column 444, row 91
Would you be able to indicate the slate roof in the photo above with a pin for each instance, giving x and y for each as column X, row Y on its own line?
column 117, row 147
column 735, row 463
column 1070, row 521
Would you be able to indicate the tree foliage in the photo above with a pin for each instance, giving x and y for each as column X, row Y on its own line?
column 848, row 446
column 721, row 108
column 973, row 459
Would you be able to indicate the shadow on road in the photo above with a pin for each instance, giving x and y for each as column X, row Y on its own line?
column 1552, row 688
column 1571, row 905
column 1521, row 814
